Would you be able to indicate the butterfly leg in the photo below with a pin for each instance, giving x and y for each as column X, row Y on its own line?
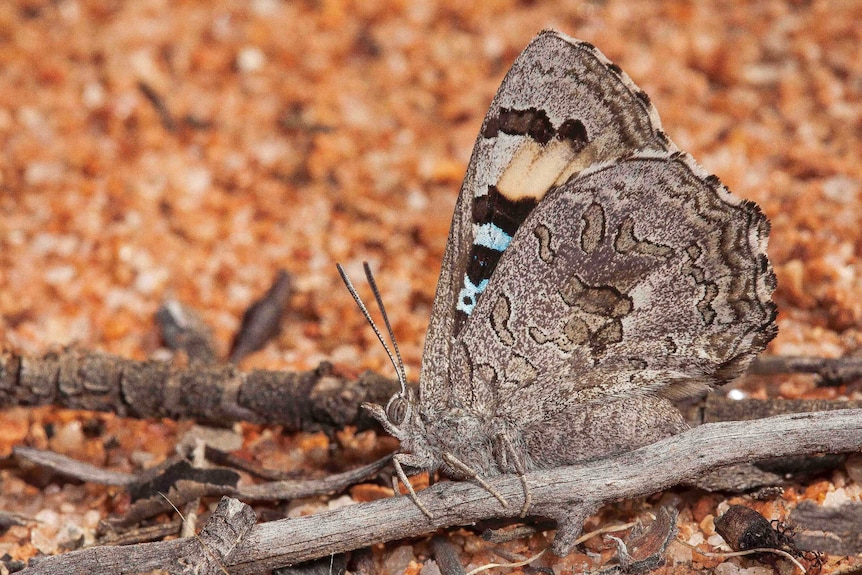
column 399, row 474
column 456, row 463
column 518, row 462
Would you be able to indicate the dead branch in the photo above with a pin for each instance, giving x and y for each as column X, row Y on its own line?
column 294, row 489
column 769, row 472
column 159, row 105
column 68, row 467
column 567, row 494
column 176, row 481
column 833, row 371
column 446, row 556
column 314, row 400
column 836, row 530
column 715, row 408
column 271, row 491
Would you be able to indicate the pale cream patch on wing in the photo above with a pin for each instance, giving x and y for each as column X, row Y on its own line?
column 534, row 169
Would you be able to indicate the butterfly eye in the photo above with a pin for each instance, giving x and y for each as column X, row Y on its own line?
column 396, row 410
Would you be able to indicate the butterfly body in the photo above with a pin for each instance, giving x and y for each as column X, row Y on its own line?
column 475, row 439
column 593, row 275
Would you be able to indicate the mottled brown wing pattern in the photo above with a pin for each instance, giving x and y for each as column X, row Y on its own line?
column 642, row 277
column 562, row 108
column 593, row 274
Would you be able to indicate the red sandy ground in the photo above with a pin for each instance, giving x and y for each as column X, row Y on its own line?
column 339, row 131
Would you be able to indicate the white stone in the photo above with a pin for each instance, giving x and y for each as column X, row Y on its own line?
column 679, row 553
column 339, row 502
column 93, row 95
column 696, row 539
column 716, row 541
column 250, row 59
column 840, row 188
column 198, row 180
column 835, row 498
column 59, row 275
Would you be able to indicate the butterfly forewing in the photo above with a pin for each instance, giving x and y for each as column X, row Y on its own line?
column 562, row 108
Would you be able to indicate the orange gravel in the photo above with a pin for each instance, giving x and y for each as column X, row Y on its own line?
column 300, row 134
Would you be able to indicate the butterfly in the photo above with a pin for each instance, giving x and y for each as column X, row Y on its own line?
column 593, row 275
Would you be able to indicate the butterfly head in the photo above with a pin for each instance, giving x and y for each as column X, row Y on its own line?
column 400, row 417
column 397, row 409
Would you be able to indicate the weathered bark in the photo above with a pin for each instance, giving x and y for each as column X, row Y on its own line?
column 567, row 494
column 715, row 408
column 832, row 371
column 833, row 530
column 314, row 400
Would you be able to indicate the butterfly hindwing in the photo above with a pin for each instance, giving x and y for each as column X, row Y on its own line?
column 562, row 108
column 640, row 277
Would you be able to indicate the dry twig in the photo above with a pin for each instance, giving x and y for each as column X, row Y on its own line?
column 567, row 494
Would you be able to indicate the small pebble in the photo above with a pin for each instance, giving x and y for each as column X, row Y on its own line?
column 398, row 560
column 853, row 466
column 430, row 568
column 250, row 59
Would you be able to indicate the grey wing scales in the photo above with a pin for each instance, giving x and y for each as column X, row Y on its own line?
column 646, row 278
column 433, row 377
column 562, row 108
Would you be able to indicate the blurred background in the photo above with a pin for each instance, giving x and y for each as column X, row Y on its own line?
column 157, row 149
column 152, row 149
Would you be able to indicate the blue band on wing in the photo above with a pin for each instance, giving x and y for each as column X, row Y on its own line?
column 469, row 294
column 491, row 236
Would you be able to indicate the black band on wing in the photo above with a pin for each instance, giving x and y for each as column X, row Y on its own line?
column 495, row 208
column 536, row 124
column 495, row 217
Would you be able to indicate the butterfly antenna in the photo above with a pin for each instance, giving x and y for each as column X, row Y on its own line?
column 402, row 373
column 364, row 310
